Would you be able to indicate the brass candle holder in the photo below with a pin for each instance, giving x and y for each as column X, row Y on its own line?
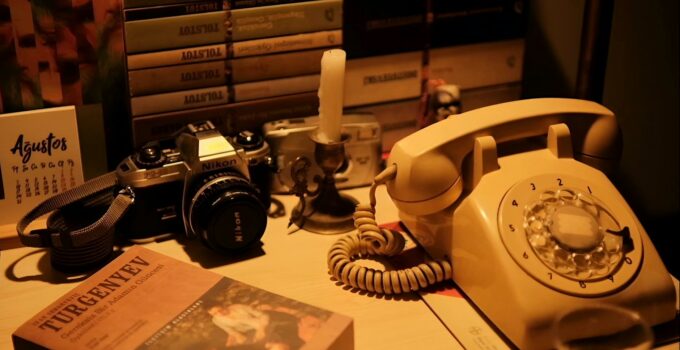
column 324, row 210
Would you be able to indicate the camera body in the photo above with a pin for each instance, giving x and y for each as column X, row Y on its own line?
column 210, row 186
column 290, row 139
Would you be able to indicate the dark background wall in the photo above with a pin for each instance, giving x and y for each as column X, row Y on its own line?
column 641, row 87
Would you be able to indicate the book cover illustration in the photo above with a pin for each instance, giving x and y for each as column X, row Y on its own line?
column 147, row 300
column 234, row 315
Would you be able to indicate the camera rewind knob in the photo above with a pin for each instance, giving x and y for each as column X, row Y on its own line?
column 149, row 156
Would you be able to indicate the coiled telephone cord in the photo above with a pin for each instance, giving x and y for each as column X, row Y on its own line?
column 372, row 240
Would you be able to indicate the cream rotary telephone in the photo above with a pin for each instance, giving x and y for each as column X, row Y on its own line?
column 530, row 233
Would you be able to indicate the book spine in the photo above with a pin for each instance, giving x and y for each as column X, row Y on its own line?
column 173, row 32
column 189, row 8
column 228, row 118
column 279, row 44
column 179, row 56
column 383, row 78
column 173, row 101
column 228, row 4
column 143, row 3
column 241, row 4
column 278, row 87
column 251, row 23
column 276, row 66
column 478, row 65
column 175, row 78
column 287, row 43
column 206, row 74
column 293, row 18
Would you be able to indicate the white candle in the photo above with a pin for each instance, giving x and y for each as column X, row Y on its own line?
column 331, row 96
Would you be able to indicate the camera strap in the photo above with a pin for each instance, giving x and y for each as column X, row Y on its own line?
column 64, row 237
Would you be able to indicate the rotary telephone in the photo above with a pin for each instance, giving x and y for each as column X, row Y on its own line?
column 527, row 232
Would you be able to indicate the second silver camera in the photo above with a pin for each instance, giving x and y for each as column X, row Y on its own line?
column 290, row 139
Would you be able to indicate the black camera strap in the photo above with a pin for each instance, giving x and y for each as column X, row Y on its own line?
column 74, row 246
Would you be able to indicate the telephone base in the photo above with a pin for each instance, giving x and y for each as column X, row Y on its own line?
column 494, row 264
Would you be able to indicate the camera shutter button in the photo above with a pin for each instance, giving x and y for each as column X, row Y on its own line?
column 249, row 140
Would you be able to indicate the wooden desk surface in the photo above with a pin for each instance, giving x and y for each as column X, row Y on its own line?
column 293, row 265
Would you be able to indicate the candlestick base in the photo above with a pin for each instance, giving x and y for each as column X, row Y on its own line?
column 325, row 217
column 324, row 210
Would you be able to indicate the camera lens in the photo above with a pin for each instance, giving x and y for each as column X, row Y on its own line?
column 226, row 213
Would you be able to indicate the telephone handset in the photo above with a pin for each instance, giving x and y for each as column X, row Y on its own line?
column 429, row 161
column 529, row 235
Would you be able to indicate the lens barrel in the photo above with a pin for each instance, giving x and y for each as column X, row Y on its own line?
column 226, row 212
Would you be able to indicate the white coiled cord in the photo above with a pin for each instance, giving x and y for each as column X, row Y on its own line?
column 372, row 240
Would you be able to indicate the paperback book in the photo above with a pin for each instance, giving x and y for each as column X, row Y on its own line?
column 146, row 300
column 383, row 78
column 232, row 25
column 228, row 118
column 169, row 10
column 478, row 65
column 178, row 100
column 222, row 51
column 233, row 71
column 192, row 7
column 223, row 4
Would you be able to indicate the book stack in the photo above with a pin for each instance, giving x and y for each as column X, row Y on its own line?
column 395, row 47
column 239, row 63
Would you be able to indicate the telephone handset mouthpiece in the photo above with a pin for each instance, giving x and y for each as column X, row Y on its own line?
column 428, row 162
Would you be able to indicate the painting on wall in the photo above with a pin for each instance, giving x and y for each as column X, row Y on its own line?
column 59, row 52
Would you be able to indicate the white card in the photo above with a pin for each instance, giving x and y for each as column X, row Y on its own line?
column 39, row 157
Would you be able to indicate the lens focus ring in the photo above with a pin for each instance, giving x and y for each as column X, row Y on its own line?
column 226, row 213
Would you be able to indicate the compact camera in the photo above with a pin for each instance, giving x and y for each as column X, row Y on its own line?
column 290, row 139
column 208, row 185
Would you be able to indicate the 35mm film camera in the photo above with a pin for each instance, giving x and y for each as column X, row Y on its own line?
column 202, row 183
column 290, row 139
column 205, row 184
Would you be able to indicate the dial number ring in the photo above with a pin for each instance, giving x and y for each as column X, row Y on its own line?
column 561, row 234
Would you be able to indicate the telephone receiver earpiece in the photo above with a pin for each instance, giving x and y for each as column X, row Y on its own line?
column 428, row 162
